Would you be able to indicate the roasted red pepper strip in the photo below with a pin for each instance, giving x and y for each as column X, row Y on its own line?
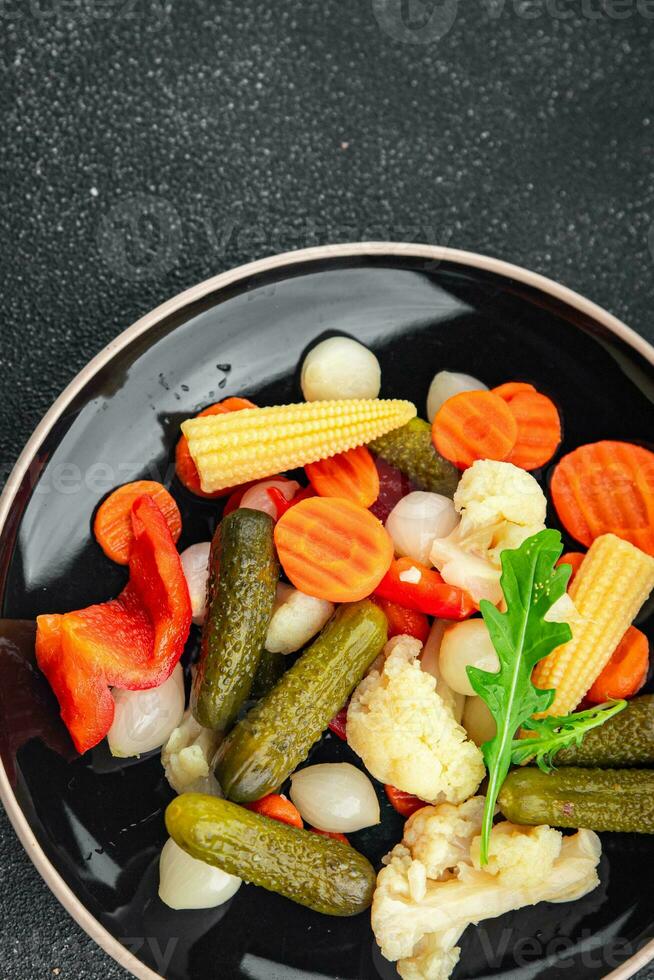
column 131, row 642
column 431, row 595
column 403, row 621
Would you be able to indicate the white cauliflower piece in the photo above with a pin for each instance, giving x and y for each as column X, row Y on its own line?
column 295, row 620
column 500, row 507
column 420, row 926
column 187, row 756
column 406, row 734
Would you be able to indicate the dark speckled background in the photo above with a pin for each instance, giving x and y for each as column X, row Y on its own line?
column 145, row 147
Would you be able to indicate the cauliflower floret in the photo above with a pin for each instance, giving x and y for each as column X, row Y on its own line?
column 405, row 733
column 500, row 507
column 419, row 927
column 187, row 756
column 490, row 492
column 295, row 620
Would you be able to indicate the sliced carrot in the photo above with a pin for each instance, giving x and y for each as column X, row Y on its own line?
column 474, row 425
column 574, row 559
column 333, row 549
column 626, row 671
column 510, row 389
column 539, row 429
column 113, row 522
column 404, row 803
column 328, row 833
column 403, row 621
column 187, row 471
column 352, row 475
column 606, row 487
column 277, row 808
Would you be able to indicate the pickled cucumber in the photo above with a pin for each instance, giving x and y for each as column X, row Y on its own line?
column 275, row 736
column 323, row 874
column 269, row 670
column 627, row 739
column 599, row 799
column 410, row 450
column 243, row 578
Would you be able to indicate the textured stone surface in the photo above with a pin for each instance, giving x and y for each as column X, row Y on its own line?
column 146, row 147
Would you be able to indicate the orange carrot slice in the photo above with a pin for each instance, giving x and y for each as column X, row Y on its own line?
column 574, row 559
column 333, row 549
column 606, row 487
column 510, row 389
column 474, row 425
column 113, row 523
column 277, row 808
column 330, row 833
column 539, row 429
column 187, row 471
column 626, row 671
column 352, row 475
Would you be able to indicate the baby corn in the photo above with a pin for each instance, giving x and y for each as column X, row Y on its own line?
column 613, row 582
column 248, row 445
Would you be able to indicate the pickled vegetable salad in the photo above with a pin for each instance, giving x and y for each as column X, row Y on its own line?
column 424, row 614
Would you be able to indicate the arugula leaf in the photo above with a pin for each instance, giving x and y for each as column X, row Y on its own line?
column 521, row 636
column 556, row 733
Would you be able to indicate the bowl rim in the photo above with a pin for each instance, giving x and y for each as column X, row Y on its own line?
column 436, row 253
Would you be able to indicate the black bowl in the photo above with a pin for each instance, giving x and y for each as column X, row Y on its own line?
column 93, row 825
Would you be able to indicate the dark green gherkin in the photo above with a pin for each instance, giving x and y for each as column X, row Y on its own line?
column 276, row 734
column 243, row 575
column 410, row 450
column 323, row 874
column 600, row 799
column 627, row 739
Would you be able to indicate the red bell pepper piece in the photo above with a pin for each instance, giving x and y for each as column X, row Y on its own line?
column 131, row 642
column 282, row 504
column 404, row 803
column 403, row 621
column 431, row 595
column 338, row 724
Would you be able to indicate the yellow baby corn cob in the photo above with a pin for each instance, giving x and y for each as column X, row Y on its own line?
column 256, row 442
column 611, row 585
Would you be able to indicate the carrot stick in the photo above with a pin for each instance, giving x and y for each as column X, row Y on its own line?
column 539, row 426
column 626, row 671
column 574, row 560
column 187, row 471
column 333, row 549
column 404, row 803
column 113, row 523
column 474, row 425
column 352, row 475
column 606, row 487
column 277, row 808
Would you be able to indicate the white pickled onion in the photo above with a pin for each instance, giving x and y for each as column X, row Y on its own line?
column 335, row 796
column 446, row 384
column 478, row 721
column 340, row 368
column 466, row 644
column 417, row 520
column 195, row 563
column 186, row 883
column 256, row 498
column 144, row 720
column 430, row 663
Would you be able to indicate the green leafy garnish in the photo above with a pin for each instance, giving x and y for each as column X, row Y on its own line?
column 556, row 733
column 521, row 637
